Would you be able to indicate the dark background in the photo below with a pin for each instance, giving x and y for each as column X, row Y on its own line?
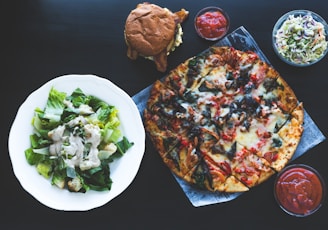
column 43, row 39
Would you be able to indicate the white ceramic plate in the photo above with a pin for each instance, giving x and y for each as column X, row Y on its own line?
column 123, row 170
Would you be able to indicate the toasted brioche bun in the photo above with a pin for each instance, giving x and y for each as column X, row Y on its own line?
column 150, row 31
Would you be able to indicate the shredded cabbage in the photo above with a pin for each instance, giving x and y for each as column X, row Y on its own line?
column 301, row 39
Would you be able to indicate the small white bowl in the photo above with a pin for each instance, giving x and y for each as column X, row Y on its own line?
column 287, row 43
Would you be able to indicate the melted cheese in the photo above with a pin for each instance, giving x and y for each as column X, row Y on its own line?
column 250, row 137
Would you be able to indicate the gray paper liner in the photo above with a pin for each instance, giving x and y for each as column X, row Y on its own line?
column 242, row 40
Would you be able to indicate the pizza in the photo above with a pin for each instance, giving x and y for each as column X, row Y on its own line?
column 224, row 120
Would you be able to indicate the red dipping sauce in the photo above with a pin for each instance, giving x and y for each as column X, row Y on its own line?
column 212, row 23
column 299, row 190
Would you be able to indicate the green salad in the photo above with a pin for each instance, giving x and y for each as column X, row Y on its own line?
column 75, row 138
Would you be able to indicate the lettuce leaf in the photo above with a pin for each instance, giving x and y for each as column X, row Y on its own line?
column 55, row 105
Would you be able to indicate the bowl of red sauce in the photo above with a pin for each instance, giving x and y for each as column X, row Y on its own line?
column 299, row 190
column 212, row 23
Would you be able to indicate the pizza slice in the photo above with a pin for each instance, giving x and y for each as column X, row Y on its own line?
column 274, row 91
column 160, row 118
column 235, row 58
column 291, row 132
column 287, row 99
column 208, row 175
column 177, row 147
column 187, row 75
column 276, row 146
column 181, row 78
column 216, row 158
column 183, row 157
column 227, row 71
column 293, row 129
column 262, row 141
column 263, row 84
column 162, row 100
column 275, row 151
column 167, row 109
column 236, row 160
column 163, row 139
column 279, row 149
column 218, row 82
column 249, row 168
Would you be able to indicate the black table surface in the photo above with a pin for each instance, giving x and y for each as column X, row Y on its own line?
column 44, row 39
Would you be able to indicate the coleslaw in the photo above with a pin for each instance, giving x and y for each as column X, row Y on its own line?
column 301, row 39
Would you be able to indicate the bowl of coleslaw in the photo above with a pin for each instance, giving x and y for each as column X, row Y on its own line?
column 300, row 37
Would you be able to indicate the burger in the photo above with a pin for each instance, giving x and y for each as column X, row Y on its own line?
column 153, row 32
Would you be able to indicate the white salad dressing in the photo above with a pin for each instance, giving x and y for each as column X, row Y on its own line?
column 73, row 146
column 82, row 109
